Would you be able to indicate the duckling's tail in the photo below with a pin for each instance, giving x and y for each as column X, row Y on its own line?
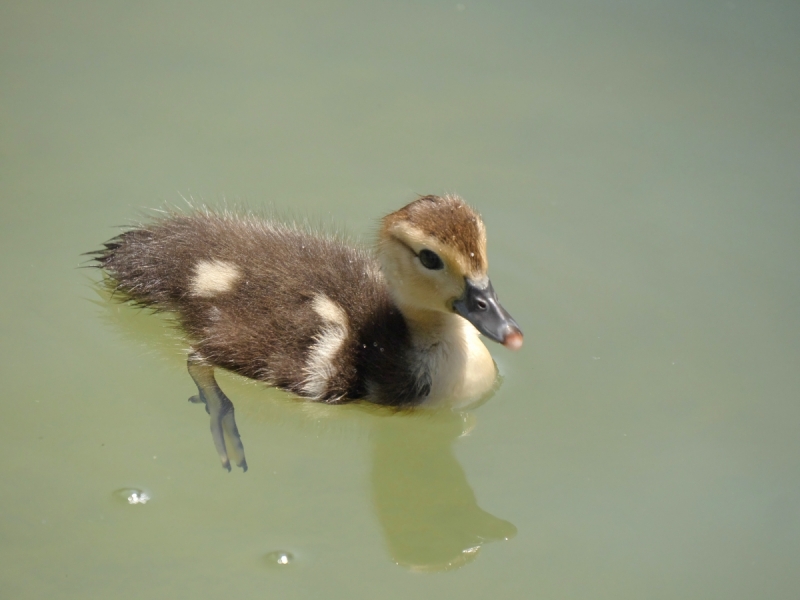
column 131, row 272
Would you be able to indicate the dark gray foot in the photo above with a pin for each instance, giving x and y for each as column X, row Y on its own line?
column 223, row 424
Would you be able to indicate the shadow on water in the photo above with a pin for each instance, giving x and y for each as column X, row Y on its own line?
column 427, row 509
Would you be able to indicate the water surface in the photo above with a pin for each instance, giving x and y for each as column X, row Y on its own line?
column 637, row 168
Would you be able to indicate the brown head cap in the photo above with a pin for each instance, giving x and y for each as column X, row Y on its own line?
column 452, row 222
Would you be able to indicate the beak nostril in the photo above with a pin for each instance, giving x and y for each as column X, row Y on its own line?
column 481, row 304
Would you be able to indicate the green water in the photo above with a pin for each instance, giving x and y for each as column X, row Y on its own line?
column 638, row 169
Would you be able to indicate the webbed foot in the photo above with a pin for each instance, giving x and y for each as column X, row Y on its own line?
column 223, row 423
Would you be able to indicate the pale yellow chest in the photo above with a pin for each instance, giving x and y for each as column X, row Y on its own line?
column 462, row 370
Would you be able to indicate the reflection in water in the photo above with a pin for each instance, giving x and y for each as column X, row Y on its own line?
column 131, row 496
column 427, row 509
column 279, row 558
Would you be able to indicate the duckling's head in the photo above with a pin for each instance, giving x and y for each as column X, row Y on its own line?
column 433, row 255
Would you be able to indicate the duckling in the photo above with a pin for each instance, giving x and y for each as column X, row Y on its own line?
column 317, row 317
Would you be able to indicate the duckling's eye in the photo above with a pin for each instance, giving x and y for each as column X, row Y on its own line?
column 430, row 260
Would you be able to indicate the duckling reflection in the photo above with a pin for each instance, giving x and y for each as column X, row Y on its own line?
column 426, row 507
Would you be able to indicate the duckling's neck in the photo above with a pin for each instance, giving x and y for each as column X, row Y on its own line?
column 449, row 349
column 427, row 325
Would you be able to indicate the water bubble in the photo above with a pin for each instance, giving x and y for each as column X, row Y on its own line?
column 279, row 558
column 131, row 496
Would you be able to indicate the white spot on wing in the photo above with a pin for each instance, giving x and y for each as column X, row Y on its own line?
column 320, row 368
column 329, row 311
column 213, row 277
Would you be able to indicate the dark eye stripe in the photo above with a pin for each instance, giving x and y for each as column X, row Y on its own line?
column 430, row 260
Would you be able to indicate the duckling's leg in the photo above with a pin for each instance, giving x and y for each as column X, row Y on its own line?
column 223, row 424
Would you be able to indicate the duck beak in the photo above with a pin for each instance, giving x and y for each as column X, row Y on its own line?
column 479, row 306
